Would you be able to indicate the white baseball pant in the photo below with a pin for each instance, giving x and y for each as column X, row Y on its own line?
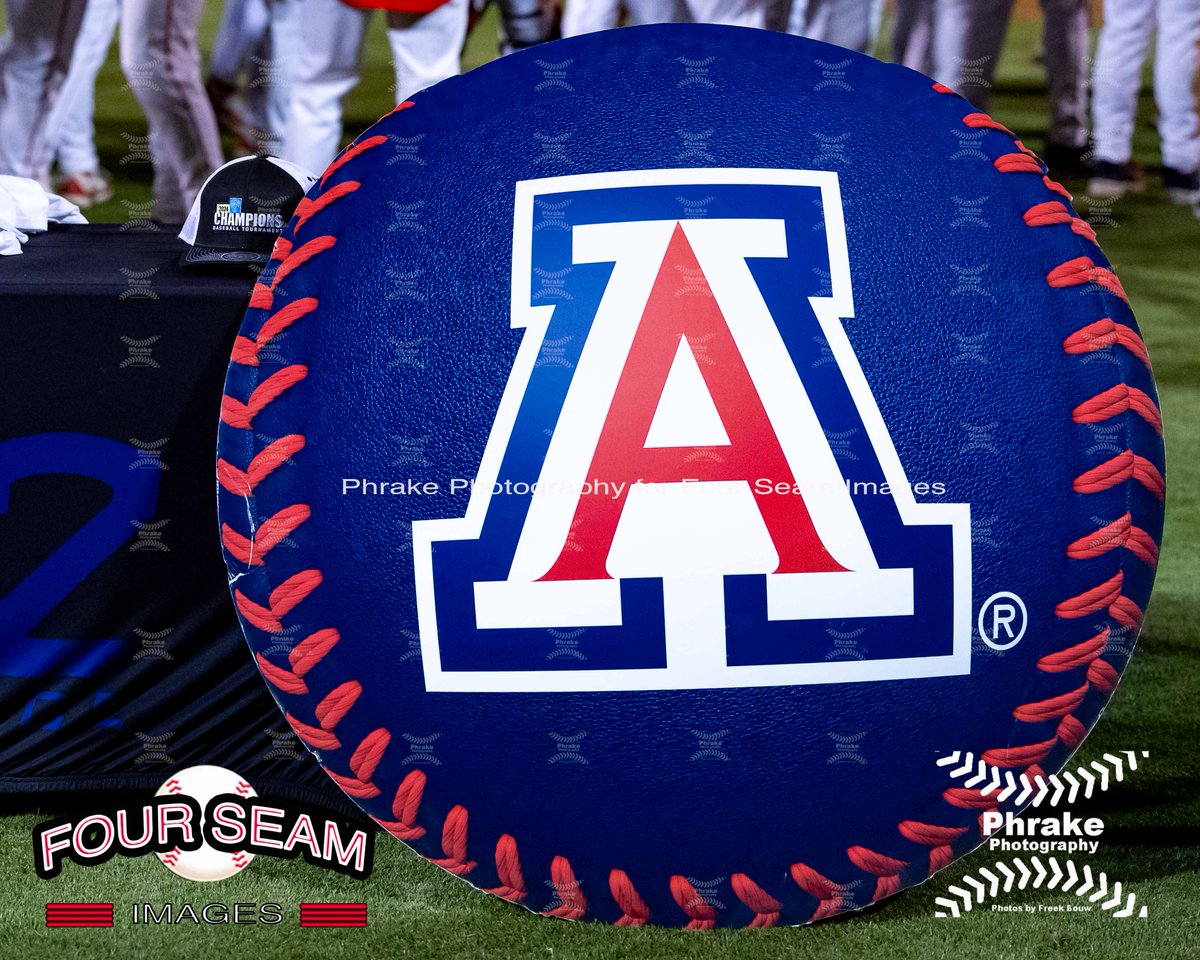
column 930, row 36
column 241, row 35
column 260, row 38
column 70, row 128
column 1119, row 56
column 852, row 24
column 162, row 64
column 425, row 49
column 588, row 16
column 34, row 61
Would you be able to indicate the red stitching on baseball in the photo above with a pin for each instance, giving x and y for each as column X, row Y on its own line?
column 315, row 737
column 241, row 483
column 1093, row 600
column 1017, row 163
column 968, row 799
column 766, row 908
column 1053, row 212
column 1052, row 709
column 454, row 843
column 241, row 415
column 819, row 886
column 1103, row 334
column 405, row 806
column 362, row 764
column 352, row 151
column 1116, row 470
column 285, row 596
column 572, row 904
column 245, row 350
column 1081, row 270
column 1113, row 536
column 508, row 869
column 886, row 869
column 251, row 550
column 939, row 839
column 309, row 207
column 1117, row 400
column 1102, row 675
column 634, row 912
column 301, row 255
column 1079, row 655
column 701, row 915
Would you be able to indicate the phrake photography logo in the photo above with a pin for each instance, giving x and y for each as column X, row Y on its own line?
column 1041, row 849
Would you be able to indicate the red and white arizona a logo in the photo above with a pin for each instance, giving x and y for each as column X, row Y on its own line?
column 686, row 451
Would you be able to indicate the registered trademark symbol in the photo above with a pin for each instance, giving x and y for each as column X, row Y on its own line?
column 1002, row 620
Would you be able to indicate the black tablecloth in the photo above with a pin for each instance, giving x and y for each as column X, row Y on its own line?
column 120, row 656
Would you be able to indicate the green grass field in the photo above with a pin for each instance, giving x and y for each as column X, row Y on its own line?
column 1152, row 843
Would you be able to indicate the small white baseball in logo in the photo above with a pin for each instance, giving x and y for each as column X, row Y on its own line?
column 202, row 783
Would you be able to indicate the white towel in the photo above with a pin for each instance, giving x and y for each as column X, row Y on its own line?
column 25, row 207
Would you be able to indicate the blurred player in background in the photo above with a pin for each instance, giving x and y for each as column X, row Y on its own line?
column 523, row 23
column 161, row 61
column 257, row 40
column 426, row 37
column 927, row 35
column 162, row 64
column 1064, row 53
column 588, row 16
column 1120, row 53
column 34, row 62
column 853, row 24
column 71, row 126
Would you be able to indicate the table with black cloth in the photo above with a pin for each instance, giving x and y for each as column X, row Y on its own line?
column 121, row 658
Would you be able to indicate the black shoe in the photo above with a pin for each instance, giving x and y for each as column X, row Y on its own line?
column 1181, row 187
column 1110, row 180
column 1065, row 162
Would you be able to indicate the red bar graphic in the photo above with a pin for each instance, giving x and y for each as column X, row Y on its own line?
column 79, row 914
column 333, row 914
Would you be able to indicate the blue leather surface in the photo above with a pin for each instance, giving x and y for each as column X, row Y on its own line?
column 961, row 341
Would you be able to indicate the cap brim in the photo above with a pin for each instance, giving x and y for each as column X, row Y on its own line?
column 216, row 257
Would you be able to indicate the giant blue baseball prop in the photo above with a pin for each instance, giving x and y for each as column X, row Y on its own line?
column 646, row 457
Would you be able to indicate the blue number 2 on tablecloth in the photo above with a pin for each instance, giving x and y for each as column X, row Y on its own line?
column 134, row 494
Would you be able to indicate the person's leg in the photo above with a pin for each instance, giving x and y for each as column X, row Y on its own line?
column 36, row 57
column 1120, row 52
column 1178, row 33
column 987, row 27
column 844, row 23
column 1065, row 44
column 951, row 22
column 274, row 82
column 733, row 13
column 912, row 34
column 326, row 69
column 427, row 47
column 243, row 26
column 162, row 64
column 588, row 16
column 638, row 12
column 524, row 23
column 70, row 128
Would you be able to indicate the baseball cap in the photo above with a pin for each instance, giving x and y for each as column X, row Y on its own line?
column 240, row 211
